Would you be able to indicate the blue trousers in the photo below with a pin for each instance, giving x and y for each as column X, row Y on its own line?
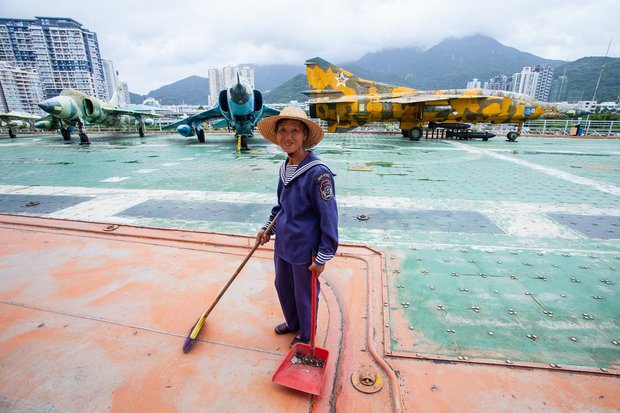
column 294, row 287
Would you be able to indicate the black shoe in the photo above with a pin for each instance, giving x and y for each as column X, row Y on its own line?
column 284, row 329
column 296, row 340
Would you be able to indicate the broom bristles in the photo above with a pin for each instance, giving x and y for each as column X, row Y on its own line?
column 187, row 346
column 189, row 342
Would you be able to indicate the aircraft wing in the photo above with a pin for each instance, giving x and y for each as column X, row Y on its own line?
column 342, row 99
column 427, row 98
column 267, row 111
column 121, row 111
column 198, row 117
column 220, row 124
column 17, row 116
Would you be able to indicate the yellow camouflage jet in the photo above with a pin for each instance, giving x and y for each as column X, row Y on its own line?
column 346, row 101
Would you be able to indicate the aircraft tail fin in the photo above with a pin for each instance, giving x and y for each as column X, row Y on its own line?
column 116, row 96
column 328, row 80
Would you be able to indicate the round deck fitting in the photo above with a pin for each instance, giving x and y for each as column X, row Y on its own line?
column 367, row 380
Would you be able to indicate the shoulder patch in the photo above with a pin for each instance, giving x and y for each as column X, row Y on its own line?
column 325, row 186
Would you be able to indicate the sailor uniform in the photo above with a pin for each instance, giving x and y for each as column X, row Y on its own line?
column 308, row 222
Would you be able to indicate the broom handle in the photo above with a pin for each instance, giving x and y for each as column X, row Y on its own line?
column 313, row 316
column 230, row 281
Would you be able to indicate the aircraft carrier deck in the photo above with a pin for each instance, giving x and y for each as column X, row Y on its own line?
column 472, row 277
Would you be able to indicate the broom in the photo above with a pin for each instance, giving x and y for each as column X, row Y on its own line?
column 195, row 330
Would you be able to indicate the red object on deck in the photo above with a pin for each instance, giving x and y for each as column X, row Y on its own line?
column 296, row 374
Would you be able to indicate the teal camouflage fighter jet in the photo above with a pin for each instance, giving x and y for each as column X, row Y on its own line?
column 239, row 108
column 73, row 109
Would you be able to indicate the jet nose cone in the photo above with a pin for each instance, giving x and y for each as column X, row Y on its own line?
column 51, row 106
column 239, row 94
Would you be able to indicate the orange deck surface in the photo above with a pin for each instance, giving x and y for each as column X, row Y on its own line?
column 93, row 319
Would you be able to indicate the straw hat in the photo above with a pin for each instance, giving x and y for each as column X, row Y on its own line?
column 267, row 126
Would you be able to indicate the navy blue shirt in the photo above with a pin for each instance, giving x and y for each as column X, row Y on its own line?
column 309, row 215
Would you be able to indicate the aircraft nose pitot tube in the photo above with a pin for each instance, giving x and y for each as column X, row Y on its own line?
column 240, row 94
column 61, row 107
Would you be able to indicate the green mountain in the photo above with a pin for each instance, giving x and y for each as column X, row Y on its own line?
column 193, row 90
column 268, row 77
column 449, row 64
column 582, row 76
column 291, row 90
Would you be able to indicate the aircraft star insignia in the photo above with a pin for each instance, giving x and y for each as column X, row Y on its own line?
column 341, row 79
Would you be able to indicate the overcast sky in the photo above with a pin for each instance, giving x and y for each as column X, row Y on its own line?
column 157, row 42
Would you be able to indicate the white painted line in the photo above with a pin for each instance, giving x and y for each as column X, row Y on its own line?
column 603, row 187
column 115, row 179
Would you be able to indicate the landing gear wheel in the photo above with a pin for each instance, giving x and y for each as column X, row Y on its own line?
column 12, row 133
column 512, row 136
column 141, row 131
column 66, row 135
column 244, row 143
column 200, row 134
column 84, row 139
column 415, row 134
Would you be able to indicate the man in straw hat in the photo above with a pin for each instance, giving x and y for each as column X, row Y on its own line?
column 307, row 223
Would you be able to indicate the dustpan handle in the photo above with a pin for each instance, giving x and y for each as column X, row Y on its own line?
column 314, row 310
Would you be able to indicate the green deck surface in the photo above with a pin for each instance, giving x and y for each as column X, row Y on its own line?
column 495, row 250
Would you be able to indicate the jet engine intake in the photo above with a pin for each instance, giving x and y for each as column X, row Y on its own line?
column 92, row 109
column 258, row 101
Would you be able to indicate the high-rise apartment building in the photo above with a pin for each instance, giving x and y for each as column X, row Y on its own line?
column 524, row 82
column 499, row 82
column 533, row 81
column 223, row 78
column 474, row 84
column 111, row 78
column 61, row 50
column 545, row 79
column 216, row 83
column 20, row 89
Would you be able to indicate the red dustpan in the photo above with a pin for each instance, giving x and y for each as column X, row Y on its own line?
column 305, row 366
